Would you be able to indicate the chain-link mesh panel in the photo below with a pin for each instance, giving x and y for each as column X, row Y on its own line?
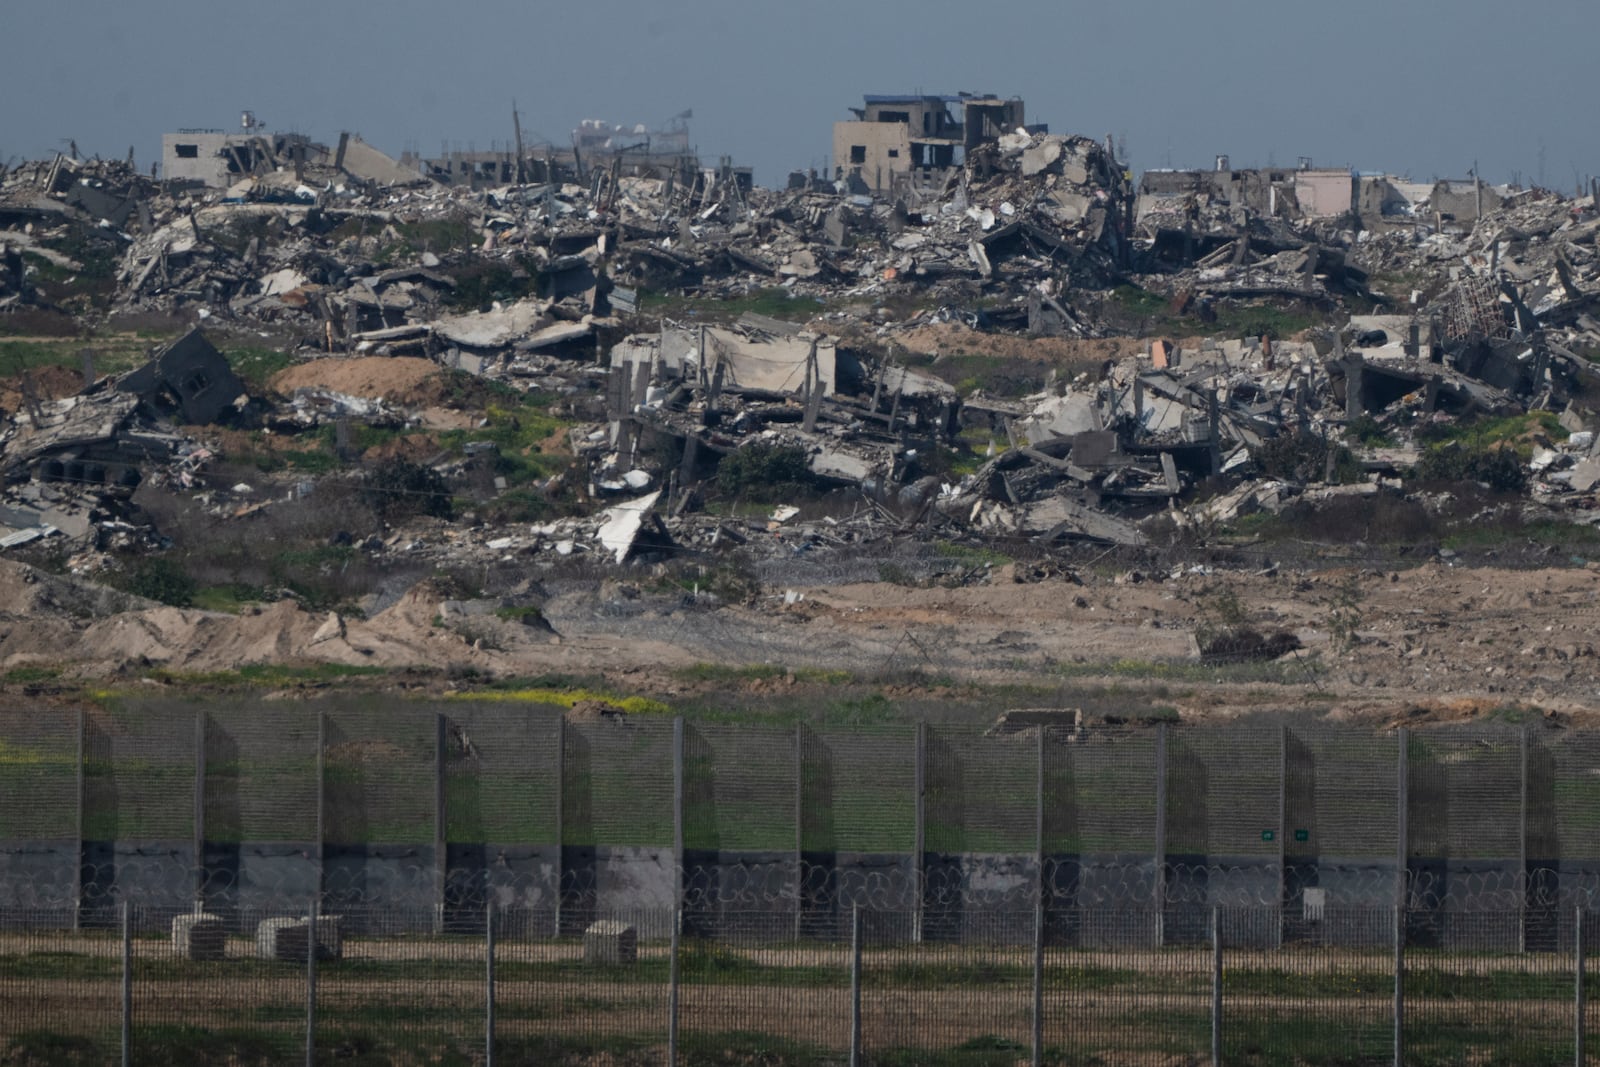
column 1122, row 1001
column 1465, row 813
column 502, row 767
column 619, row 785
column 1307, row 1001
column 740, row 788
column 38, row 774
column 379, row 768
column 1470, row 998
column 859, row 789
column 59, row 989
column 1101, row 827
column 1564, row 798
column 1341, row 793
column 391, row 990
column 981, row 791
column 1465, row 793
column 1100, row 791
column 934, row 1000
column 783, row 1000
column 261, row 773
column 1223, row 791
column 602, row 994
column 139, row 773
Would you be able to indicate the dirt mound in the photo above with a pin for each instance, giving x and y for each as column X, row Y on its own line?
column 49, row 383
column 393, row 378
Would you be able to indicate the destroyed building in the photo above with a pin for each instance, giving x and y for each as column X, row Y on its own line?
column 219, row 159
column 597, row 283
column 188, row 375
column 914, row 140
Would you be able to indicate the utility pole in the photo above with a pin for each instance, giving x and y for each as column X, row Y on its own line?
column 516, row 126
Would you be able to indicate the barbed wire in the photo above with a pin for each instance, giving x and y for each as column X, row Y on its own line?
column 803, row 893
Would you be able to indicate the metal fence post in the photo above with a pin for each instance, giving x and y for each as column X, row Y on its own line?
column 1216, row 987
column 199, row 811
column 919, row 834
column 560, row 802
column 1399, row 986
column 311, row 983
column 322, row 801
column 77, row 897
column 440, row 858
column 672, row 989
column 1038, row 903
column 1038, row 982
column 1159, row 883
column 799, row 827
column 677, row 811
column 488, row 979
column 127, row 984
column 1283, row 832
column 855, row 986
column 1579, row 1005
column 1402, row 803
column 1522, row 849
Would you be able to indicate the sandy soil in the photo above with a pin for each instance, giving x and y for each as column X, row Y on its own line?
column 374, row 377
column 1435, row 642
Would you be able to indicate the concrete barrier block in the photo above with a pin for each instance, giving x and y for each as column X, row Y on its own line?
column 199, row 936
column 610, row 941
column 285, row 939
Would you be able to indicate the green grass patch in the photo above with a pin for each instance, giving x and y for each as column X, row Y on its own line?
column 1581, row 539
column 111, row 355
column 516, row 429
column 720, row 674
column 255, row 366
column 255, row 675
column 974, row 555
column 231, row 598
column 1493, row 430
column 31, row 674
column 566, row 698
column 1304, row 671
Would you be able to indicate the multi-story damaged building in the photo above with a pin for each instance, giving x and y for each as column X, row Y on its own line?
column 217, row 159
column 915, row 139
column 633, row 150
column 1303, row 191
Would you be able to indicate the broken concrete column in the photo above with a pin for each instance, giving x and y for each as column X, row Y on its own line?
column 610, row 941
column 199, row 936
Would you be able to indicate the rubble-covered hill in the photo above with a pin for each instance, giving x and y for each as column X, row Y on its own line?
column 314, row 392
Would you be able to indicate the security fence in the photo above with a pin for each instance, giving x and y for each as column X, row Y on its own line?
column 1129, row 835
column 503, row 987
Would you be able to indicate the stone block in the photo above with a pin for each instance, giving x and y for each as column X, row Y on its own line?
column 285, row 939
column 199, row 936
column 610, row 941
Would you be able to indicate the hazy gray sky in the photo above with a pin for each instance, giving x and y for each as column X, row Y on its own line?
column 1410, row 86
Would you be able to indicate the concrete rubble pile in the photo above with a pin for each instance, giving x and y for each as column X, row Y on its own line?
column 70, row 466
column 537, row 285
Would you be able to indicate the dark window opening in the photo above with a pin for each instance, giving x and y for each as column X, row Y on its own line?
column 894, row 153
column 858, row 153
column 895, row 116
column 196, row 383
column 187, row 151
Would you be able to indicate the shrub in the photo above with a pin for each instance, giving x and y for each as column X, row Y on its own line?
column 766, row 472
column 1304, row 457
column 162, row 579
column 1498, row 468
column 399, row 488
